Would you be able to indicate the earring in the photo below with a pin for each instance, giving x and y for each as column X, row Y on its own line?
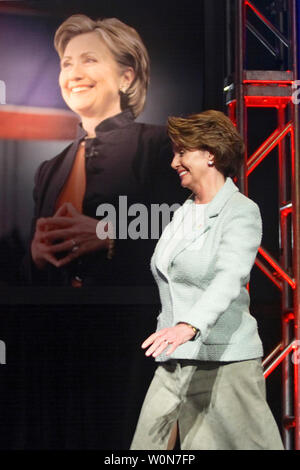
column 210, row 163
column 123, row 90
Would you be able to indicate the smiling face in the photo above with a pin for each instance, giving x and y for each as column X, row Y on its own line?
column 192, row 167
column 90, row 78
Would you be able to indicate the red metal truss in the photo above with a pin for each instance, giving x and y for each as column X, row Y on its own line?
column 274, row 89
column 267, row 146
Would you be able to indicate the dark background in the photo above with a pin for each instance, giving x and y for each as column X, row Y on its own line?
column 60, row 356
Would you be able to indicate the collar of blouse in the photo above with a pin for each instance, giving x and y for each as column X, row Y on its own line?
column 115, row 122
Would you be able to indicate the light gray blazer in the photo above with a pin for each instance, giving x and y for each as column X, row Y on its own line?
column 206, row 286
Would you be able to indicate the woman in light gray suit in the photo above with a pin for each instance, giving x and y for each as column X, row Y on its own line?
column 208, row 389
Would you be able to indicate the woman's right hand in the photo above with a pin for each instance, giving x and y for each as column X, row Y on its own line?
column 170, row 338
column 55, row 237
column 41, row 251
column 44, row 251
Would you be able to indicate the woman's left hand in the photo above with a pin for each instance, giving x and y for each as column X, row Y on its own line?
column 169, row 338
column 70, row 226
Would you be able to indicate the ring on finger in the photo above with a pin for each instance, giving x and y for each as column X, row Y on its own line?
column 75, row 246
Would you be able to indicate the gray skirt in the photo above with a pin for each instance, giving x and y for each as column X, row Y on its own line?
column 218, row 406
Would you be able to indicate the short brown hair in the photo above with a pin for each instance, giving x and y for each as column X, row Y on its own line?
column 213, row 131
column 123, row 42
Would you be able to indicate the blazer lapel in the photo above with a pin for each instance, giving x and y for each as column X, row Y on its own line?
column 163, row 257
column 58, row 176
column 160, row 252
column 183, row 244
column 213, row 209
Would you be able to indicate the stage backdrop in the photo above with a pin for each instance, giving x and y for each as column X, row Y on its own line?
column 75, row 375
column 72, row 370
column 177, row 44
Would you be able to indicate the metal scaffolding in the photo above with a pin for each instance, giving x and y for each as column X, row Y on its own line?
column 255, row 88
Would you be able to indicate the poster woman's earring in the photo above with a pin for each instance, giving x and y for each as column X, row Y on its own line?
column 210, row 163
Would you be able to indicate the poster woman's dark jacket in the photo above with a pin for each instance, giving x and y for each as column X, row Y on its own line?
column 127, row 161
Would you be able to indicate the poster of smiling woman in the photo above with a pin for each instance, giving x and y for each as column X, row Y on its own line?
column 86, row 189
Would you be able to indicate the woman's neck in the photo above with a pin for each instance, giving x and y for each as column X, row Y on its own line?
column 206, row 190
column 89, row 123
